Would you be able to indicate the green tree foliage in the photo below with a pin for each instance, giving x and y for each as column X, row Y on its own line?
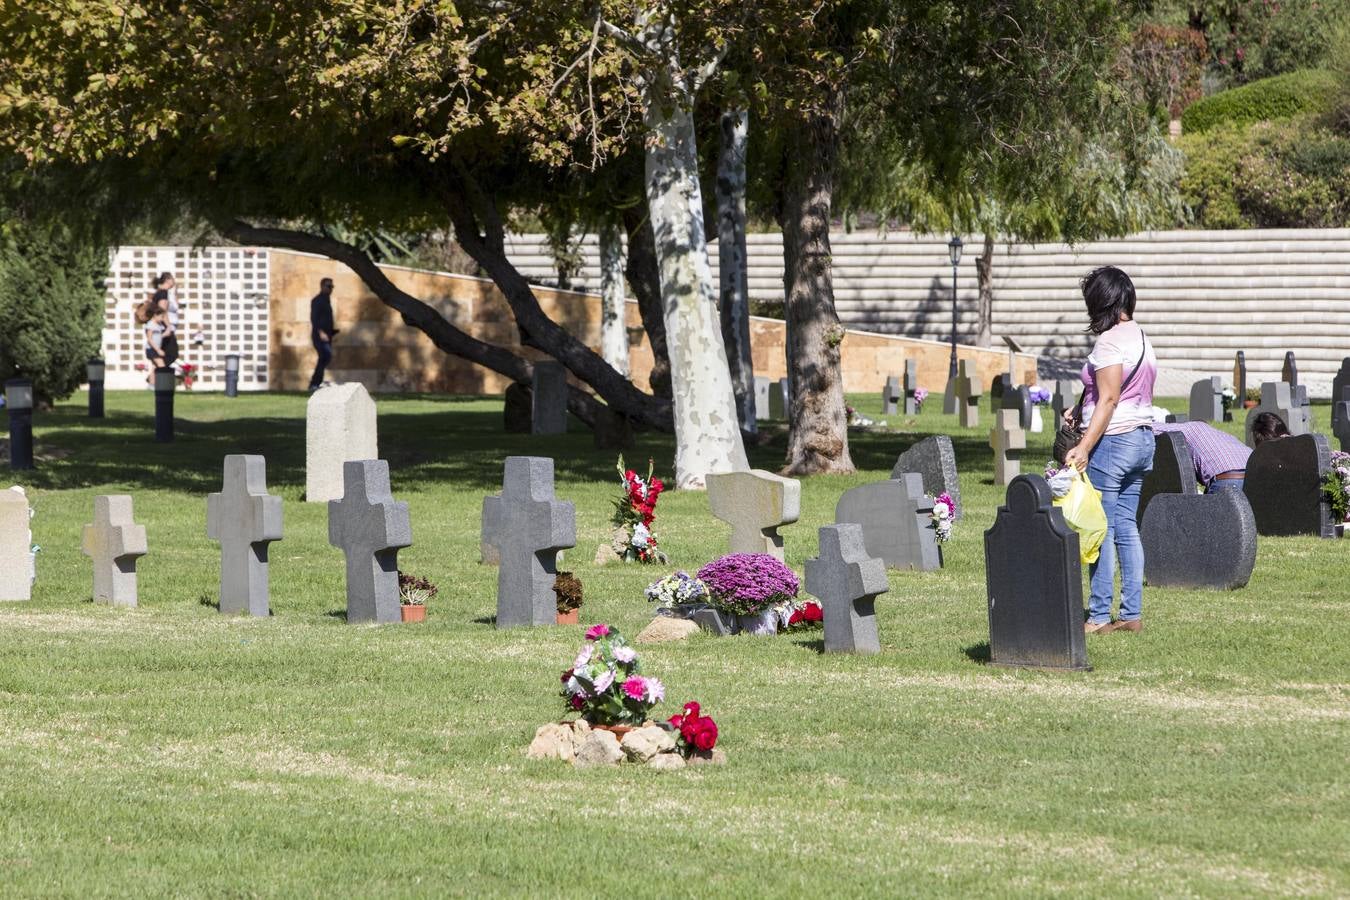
column 1278, row 97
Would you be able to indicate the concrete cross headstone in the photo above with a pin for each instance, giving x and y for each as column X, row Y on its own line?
column 935, row 460
column 949, row 399
column 533, row 527
column 1007, row 440
column 244, row 518
column 1302, row 408
column 1065, row 396
column 1284, row 486
column 1240, row 377
column 1034, row 582
column 369, row 526
column 1276, row 398
column 896, row 521
column 549, row 413
column 114, row 542
column 1199, row 540
column 1018, row 399
column 755, row 504
column 968, row 395
column 490, row 531
column 890, row 395
column 16, row 541
column 1207, row 400
column 339, row 426
column 911, row 387
column 847, row 581
column 1173, row 470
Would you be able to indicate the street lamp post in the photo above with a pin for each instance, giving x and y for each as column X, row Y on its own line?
column 232, row 375
column 954, row 253
column 19, row 402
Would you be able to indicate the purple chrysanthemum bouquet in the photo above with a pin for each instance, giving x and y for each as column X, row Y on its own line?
column 748, row 583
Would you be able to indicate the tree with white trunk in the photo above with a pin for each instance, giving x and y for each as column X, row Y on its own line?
column 733, row 260
column 613, row 321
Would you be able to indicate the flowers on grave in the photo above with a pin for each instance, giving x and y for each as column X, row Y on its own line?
column 802, row 616
column 1336, row 486
column 697, row 732
column 920, row 395
column 634, row 513
column 679, row 589
column 187, row 375
column 944, row 514
column 745, row 584
column 855, row 419
column 1228, row 397
column 415, row 591
column 1039, row 395
column 605, row 683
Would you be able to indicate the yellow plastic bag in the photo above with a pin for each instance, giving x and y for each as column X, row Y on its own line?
column 1083, row 510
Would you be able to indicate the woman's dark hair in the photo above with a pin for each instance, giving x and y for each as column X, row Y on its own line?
column 1268, row 427
column 163, row 277
column 1108, row 292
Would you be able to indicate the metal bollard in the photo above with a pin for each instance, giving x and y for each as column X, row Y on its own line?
column 19, row 402
column 165, row 381
column 232, row 375
column 94, row 370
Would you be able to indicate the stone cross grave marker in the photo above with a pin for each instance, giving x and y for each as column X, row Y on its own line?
column 549, row 412
column 369, row 526
column 244, row 518
column 1284, row 486
column 1065, row 396
column 1207, row 400
column 997, row 388
column 1199, row 541
column 533, row 527
column 762, row 387
column 339, row 426
column 1240, row 377
column 755, row 504
column 1276, row 398
column 1289, row 374
column 896, row 521
column 1008, row 440
column 1173, row 470
column 490, row 531
column 114, row 542
column 16, row 541
column 890, row 394
column 935, row 460
column 968, row 395
column 1034, row 582
column 1018, row 399
column 949, row 401
column 847, row 580
column 911, row 387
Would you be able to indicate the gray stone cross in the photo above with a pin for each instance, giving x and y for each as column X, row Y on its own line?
column 114, row 542
column 1277, row 398
column 890, row 394
column 1066, row 395
column 755, row 504
column 911, row 385
column 896, row 521
column 967, row 396
column 1008, row 440
column 532, row 528
column 490, row 531
column 370, row 527
column 244, row 518
column 847, row 581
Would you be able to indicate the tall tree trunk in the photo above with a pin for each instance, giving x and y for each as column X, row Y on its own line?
column 613, row 321
column 707, row 430
column 817, row 422
column 644, row 277
column 984, row 266
column 732, row 262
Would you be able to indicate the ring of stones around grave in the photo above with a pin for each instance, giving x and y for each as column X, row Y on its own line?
column 1034, row 582
column 113, row 542
column 533, row 527
column 847, row 581
column 369, row 526
column 755, row 504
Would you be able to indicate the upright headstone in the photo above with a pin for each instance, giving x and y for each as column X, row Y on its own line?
column 896, row 519
column 1284, row 486
column 949, row 400
column 1302, row 408
column 910, row 385
column 369, row 526
column 16, row 542
column 890, row 396
column 997, row 388
column 968, row 395
column 935, row 460
column 1240, row 377
column 339, row 426
column 762, row 406
column 517, row 408
column 1173, row 470
column 549, row 414
column 1199, row 540
column 847, row 581
column 1034, row 582
column 755, row 504
column 244, row 518
column 778, row 402
column 1207, row 400
column 1008, row 440
column 1340, row 404
column 1289, row 374
column 533, row 528
column 114, row 542
column 490, row 531
column 1019, row 400
column 1174, row 418
column 1064, row 397
column 1276, row 398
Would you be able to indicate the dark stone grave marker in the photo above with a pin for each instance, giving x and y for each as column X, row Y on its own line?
column 911, row 385
column 1199, row 541
column 1019, row 399
column 1284, row 486
column 895, row 518
column 997, row 388
column 935, row 460
column 1207, row 400
column 1173, row 470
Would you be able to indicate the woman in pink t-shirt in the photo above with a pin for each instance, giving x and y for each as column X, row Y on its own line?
column 1117, row 445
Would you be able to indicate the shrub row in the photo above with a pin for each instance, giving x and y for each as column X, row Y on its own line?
column 1281, row 97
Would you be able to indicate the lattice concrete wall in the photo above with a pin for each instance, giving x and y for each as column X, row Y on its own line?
column 223, row 297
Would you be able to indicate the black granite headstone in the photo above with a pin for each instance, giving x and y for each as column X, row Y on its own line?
column 518, row 409
column 1340, row 392
column 997, row 388
column 1173, row 470
column 1018, row 398
column 1340, row 419
column 1199, row 540
column 1175, row 418
column 1284, row 486
column 1034, row 581
column 934, row 459
column 1290, row 372
column 1240, row 377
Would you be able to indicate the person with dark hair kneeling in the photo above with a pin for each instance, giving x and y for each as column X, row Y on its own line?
column 1268, row 427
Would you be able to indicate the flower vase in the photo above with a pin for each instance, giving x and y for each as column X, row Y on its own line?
column 571, row 617
column 760, row 623
column 1037, row 423
column 410, row 613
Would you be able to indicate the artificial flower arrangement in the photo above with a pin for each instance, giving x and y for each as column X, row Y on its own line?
column 697, row 732
column 634, row 539
column 1039, row 395
column 920, row 395
column 677, row 590
column 748, row 584
column 802, row 616
column 1336, row 486
column 1228, row 397
column 856, row 419
column 187, row 374
column 605, row 683
column 944, row 514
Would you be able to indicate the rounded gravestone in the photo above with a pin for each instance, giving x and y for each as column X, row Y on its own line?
column 1199, row 540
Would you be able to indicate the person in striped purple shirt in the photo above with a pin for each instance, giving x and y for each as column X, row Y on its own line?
column 1220, row 459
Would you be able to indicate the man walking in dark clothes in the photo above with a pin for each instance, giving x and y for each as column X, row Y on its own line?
column 321, row 330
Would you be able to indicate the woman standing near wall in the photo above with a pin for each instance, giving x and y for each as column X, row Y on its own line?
column 1117, row 443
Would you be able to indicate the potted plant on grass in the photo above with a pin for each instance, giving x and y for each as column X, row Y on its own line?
column 413, row 594
column 750, row 586
column 568, row 588
column 606, row 686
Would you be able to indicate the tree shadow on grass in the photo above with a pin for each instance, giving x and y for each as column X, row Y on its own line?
column 979, row 653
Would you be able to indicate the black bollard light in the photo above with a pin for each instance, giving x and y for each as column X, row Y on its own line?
column 232, row 375
column 94, row 370
column 165, row 380
column 19, row 402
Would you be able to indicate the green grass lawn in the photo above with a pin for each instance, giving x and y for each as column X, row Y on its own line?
column 170, row 750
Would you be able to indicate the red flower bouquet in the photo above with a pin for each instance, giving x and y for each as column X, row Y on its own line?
column 697, row 732
column 634, row 537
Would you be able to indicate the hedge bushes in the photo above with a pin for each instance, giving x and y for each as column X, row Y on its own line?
column 1281, row 97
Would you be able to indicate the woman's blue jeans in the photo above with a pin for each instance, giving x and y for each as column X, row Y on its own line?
column 1116, row 467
